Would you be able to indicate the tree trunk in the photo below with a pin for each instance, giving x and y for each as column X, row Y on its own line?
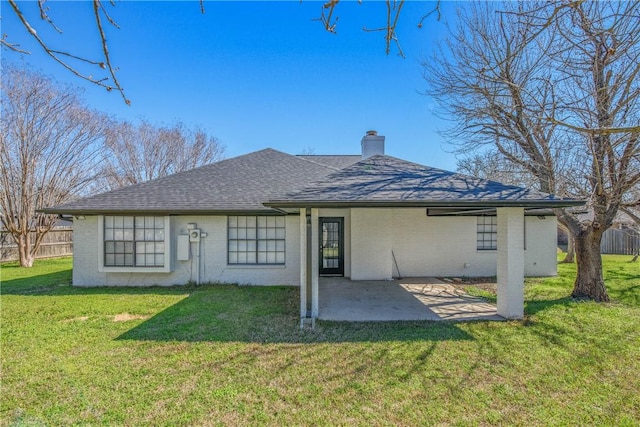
column 589, row 282
column 571, row 250
column 24, row 254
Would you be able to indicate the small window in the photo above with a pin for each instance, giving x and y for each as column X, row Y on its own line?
column 256, row 240
column 134, row 241
column 487, row 233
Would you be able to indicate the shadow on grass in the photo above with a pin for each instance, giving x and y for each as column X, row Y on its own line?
column 535, row 306
column 228, row 313
column 58, row 283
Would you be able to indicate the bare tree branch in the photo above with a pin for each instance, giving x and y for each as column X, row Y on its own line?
column 57, row 55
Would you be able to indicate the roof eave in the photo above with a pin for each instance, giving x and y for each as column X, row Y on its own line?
column 163, row 212
column 424, row 203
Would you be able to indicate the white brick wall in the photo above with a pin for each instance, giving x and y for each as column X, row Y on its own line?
column 540, row 255
column 371, row 244
column 423, row 246
column 213, row 266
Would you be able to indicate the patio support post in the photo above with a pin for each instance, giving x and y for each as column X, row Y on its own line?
column 510, row 262
column 303, row 264
column 315, row 247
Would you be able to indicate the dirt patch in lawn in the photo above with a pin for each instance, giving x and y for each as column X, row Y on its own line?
column 125, row 317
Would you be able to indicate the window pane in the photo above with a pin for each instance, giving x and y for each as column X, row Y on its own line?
column 159, row 260
column 251, row 221
column 233, row 233
column 280, row 233
column 280, row 257
column 233, row 221
column 251, row 233
column 251, row 258
column 242, row 221
column 128, row 259
column 233, row 257
column 233, row 245
column 262, row 258
column 280, row 221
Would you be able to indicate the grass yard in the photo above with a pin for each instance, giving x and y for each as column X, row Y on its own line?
column 228, row 355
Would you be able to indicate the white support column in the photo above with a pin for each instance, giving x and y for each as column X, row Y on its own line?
column 510, row 262
column 315, row 245
column 303, row 263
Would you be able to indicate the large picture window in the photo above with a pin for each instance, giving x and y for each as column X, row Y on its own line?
column 256, row 239
column 487, row 233
column 134, row 241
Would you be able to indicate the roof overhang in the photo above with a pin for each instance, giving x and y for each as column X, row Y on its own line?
column 458, row 205
column 74, row 212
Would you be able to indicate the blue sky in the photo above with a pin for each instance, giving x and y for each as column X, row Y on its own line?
column 258, row 74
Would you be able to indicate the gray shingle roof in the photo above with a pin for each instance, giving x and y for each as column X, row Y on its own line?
column 238, row 184
column 388, row 181
column 258, row 181
column 334, row 161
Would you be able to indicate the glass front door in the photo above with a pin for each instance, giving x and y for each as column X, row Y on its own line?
column 332, row 246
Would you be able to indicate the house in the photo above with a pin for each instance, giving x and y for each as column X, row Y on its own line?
column 272, row 218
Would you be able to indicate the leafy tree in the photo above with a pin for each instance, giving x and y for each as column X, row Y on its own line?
column 554, row 87
column 49, row 146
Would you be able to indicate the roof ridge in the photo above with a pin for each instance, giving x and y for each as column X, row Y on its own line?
column 297, row 156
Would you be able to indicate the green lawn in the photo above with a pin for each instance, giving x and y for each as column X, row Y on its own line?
column 227, row 355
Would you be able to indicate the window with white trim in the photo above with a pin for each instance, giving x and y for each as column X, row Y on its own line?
column 487, row 233
column 256, row 240
column 134, row 241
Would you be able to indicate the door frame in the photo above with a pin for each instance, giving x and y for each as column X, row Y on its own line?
column 331, row 271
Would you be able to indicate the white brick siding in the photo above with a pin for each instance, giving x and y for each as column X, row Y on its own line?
column 423, row 246
column 371, row 244
column 213, row 266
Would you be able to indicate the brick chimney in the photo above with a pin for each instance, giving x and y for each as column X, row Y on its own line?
column 372, row 144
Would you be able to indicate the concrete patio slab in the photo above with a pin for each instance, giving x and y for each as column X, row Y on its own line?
column 424, row 298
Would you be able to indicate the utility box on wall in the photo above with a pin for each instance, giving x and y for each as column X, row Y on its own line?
column 183, row 247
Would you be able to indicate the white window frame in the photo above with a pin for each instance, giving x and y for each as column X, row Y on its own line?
column 132, row 269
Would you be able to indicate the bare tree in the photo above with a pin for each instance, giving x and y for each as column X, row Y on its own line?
column 494, row 166
column 137, row 153
column 555, row 88
column 49, row 145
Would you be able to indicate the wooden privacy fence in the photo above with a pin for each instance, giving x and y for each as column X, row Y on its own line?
column 57, row 242
column 623, row 241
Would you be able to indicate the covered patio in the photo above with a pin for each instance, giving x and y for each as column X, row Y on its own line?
column 425, row 298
